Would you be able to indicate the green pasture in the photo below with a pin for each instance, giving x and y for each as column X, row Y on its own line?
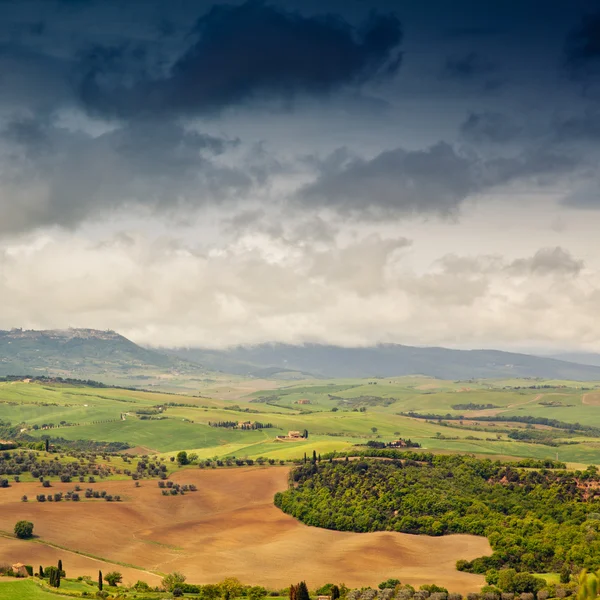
column 96, row 413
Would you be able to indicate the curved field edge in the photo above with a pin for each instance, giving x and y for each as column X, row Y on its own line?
column 229, row 528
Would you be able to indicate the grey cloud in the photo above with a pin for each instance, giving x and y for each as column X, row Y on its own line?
column 62, row 178
column 435, row 180
column 585, row 197
column 584, row 126
column 472, row 68
column 490, row 127
column 548, row 261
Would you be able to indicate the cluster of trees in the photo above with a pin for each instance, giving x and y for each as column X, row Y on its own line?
column 527, row 419
column 172, row 489
column 57, row 497
column 535, row 520
column 473, row 406
column 408, row 443
column 299, row 591
column 245, row 426
column 74, row 465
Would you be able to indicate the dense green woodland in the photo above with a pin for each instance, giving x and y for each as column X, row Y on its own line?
column 536, row 520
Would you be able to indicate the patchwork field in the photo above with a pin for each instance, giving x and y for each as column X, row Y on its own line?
column 337, row 414
column 229, row 527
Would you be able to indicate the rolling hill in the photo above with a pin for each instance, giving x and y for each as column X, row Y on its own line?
column 82, row 353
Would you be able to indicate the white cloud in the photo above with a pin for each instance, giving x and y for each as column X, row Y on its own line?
column 356, row 290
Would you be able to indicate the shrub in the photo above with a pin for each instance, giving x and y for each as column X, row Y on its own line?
column 113, row 578
column 24, row 529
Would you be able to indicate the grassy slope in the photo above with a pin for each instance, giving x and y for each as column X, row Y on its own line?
column 25, row 589
column 97, row 413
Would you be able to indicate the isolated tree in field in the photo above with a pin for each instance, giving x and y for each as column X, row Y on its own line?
column 173, row 580
column 100, row 584
column 182, row 458
column 113, row 578
column 230, row 588
column 305, row 434
column 24, row 529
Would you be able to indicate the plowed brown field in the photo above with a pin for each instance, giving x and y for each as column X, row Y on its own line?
column 229, row 527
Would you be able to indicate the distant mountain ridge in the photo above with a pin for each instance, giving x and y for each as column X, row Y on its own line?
column 104, row 355
column 386, row 360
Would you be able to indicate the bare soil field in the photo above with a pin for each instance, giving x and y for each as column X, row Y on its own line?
column 229, row 527
column 591, row 399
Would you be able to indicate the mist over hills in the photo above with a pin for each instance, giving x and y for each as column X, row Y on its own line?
column 386, row 361
column 106, row 354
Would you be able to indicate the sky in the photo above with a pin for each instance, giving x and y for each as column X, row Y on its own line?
column 194, row 173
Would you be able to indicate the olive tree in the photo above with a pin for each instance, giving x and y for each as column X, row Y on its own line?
column 24, row 529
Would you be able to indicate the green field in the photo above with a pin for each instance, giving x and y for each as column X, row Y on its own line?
column 337, row 413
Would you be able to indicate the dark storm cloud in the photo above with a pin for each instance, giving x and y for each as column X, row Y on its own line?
column 436, row 180
column 582, row 47
column 242, row 51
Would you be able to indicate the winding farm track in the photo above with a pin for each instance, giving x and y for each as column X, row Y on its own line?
column 228, row 528
column 497, row 411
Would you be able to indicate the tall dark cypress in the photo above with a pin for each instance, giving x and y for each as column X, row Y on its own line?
column 60, row 569
column 303, row 591
column 41, row 571
column 99, row 581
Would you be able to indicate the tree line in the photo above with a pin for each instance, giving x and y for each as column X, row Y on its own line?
column 535, row 520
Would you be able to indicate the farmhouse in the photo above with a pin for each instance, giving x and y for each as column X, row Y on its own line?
column 303, row 401
column 19, row 569
column 291, row 436
column 398, row 444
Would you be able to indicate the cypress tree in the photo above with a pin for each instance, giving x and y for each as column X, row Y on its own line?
column 41, row 571
column 314, row 458
column 335, row 592
column 99, row 581
column 293, row 592
column 303, row 591
column 47, row 444
column 60, row 569
column 57, row 579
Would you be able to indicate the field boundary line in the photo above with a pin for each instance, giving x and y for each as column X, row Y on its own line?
column 5, row 534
